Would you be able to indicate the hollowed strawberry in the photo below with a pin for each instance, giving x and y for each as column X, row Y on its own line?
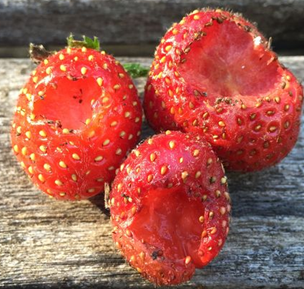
column 170, row 207
column 76, row 119
column 214, row 74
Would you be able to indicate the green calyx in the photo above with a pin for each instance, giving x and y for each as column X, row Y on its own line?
column 135, row 70
column 86, row 42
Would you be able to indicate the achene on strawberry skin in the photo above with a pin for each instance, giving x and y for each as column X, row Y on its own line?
column 214, row 74
column 170, row 207
column 76, row 119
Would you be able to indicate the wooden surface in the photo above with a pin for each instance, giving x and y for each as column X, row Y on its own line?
column 135, row 21
column 52, row 244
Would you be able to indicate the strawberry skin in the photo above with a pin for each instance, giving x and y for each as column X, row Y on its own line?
column 76, row 119
column 170, row 207
column 214, row 74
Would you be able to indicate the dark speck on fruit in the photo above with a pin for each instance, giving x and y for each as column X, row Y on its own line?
column 154, row 255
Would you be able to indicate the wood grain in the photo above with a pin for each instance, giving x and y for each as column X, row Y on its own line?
column 49, row 244
column 135, row 21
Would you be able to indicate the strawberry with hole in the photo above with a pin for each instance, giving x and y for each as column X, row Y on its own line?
column 76, row 118
column 214, row 74
column 170, row 207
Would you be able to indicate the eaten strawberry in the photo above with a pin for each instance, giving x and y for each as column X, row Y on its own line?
column 76, row 119
column 170, row 207
column 214, row 74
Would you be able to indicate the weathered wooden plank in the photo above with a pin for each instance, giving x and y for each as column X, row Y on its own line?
column 135, row 21
column 49, row 244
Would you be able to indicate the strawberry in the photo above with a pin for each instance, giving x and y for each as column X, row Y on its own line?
column 214, row 74
column 76, row 118
column 170, row 207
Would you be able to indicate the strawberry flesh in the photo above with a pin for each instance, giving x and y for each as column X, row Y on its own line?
column 229, row 64
column 75, row 107
column 169, row 213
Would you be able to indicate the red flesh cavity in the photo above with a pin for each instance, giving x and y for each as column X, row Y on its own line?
column 170, row 207
column 74, row 97
column 169, row 213
column 228, row 65
column 214, row 74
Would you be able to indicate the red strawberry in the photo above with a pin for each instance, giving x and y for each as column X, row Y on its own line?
column 76, row 119
column 170, row 207
column 214, row 74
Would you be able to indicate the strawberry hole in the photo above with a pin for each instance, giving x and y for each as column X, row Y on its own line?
column 169, row 222
column 228, row 61
column 68, row 101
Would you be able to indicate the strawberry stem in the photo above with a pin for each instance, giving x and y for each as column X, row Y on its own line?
column 38, row 53
column 135, row 70
column 86, row 42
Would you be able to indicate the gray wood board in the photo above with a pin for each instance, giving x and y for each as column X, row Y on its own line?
column 51, row 244
column 135, row 21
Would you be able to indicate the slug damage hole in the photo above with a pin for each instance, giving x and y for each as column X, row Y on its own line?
column 68, row 101
column 169, row 222
column 229, row 62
